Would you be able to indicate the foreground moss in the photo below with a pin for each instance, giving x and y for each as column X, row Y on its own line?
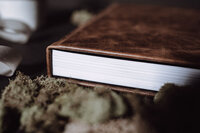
column 20, row 93
column 47, row 104
column 89, row 106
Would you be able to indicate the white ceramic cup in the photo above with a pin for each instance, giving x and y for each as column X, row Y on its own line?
column 9, row 60
column 26, row 11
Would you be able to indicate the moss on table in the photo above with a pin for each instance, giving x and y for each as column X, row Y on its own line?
column 47, row 104
column 54, row 105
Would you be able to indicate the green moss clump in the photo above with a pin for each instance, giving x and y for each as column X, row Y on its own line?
column 36, row 119
column 165, row 92
column 9, row 117
column 50, row 88
column 46, row 104
column 20, row 92
column 120, row 107
column 89, row 106
column 30, row 117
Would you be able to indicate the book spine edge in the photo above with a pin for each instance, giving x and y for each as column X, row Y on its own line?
column 49, row 61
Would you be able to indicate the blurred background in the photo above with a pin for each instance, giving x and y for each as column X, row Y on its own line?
column 48, row 21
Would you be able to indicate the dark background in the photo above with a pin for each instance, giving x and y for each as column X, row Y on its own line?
column 74, row 3
column 57, row 24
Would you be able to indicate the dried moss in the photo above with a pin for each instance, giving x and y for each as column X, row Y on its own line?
column 9, row 117
column 89, row 106
column 174, row 109
column 36, row 119
column 50, row 88
column 30, row 117
column 119, row 108
column 165, row 91
column 20, row 92
column 45, row 104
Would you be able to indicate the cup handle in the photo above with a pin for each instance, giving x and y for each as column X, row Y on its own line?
column 14, row 31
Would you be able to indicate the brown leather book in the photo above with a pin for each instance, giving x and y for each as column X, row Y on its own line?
column 131, row 46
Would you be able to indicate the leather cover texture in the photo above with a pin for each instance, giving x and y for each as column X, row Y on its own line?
column 157, row 34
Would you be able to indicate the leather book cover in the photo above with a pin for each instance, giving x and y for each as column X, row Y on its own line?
column 158, row 34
